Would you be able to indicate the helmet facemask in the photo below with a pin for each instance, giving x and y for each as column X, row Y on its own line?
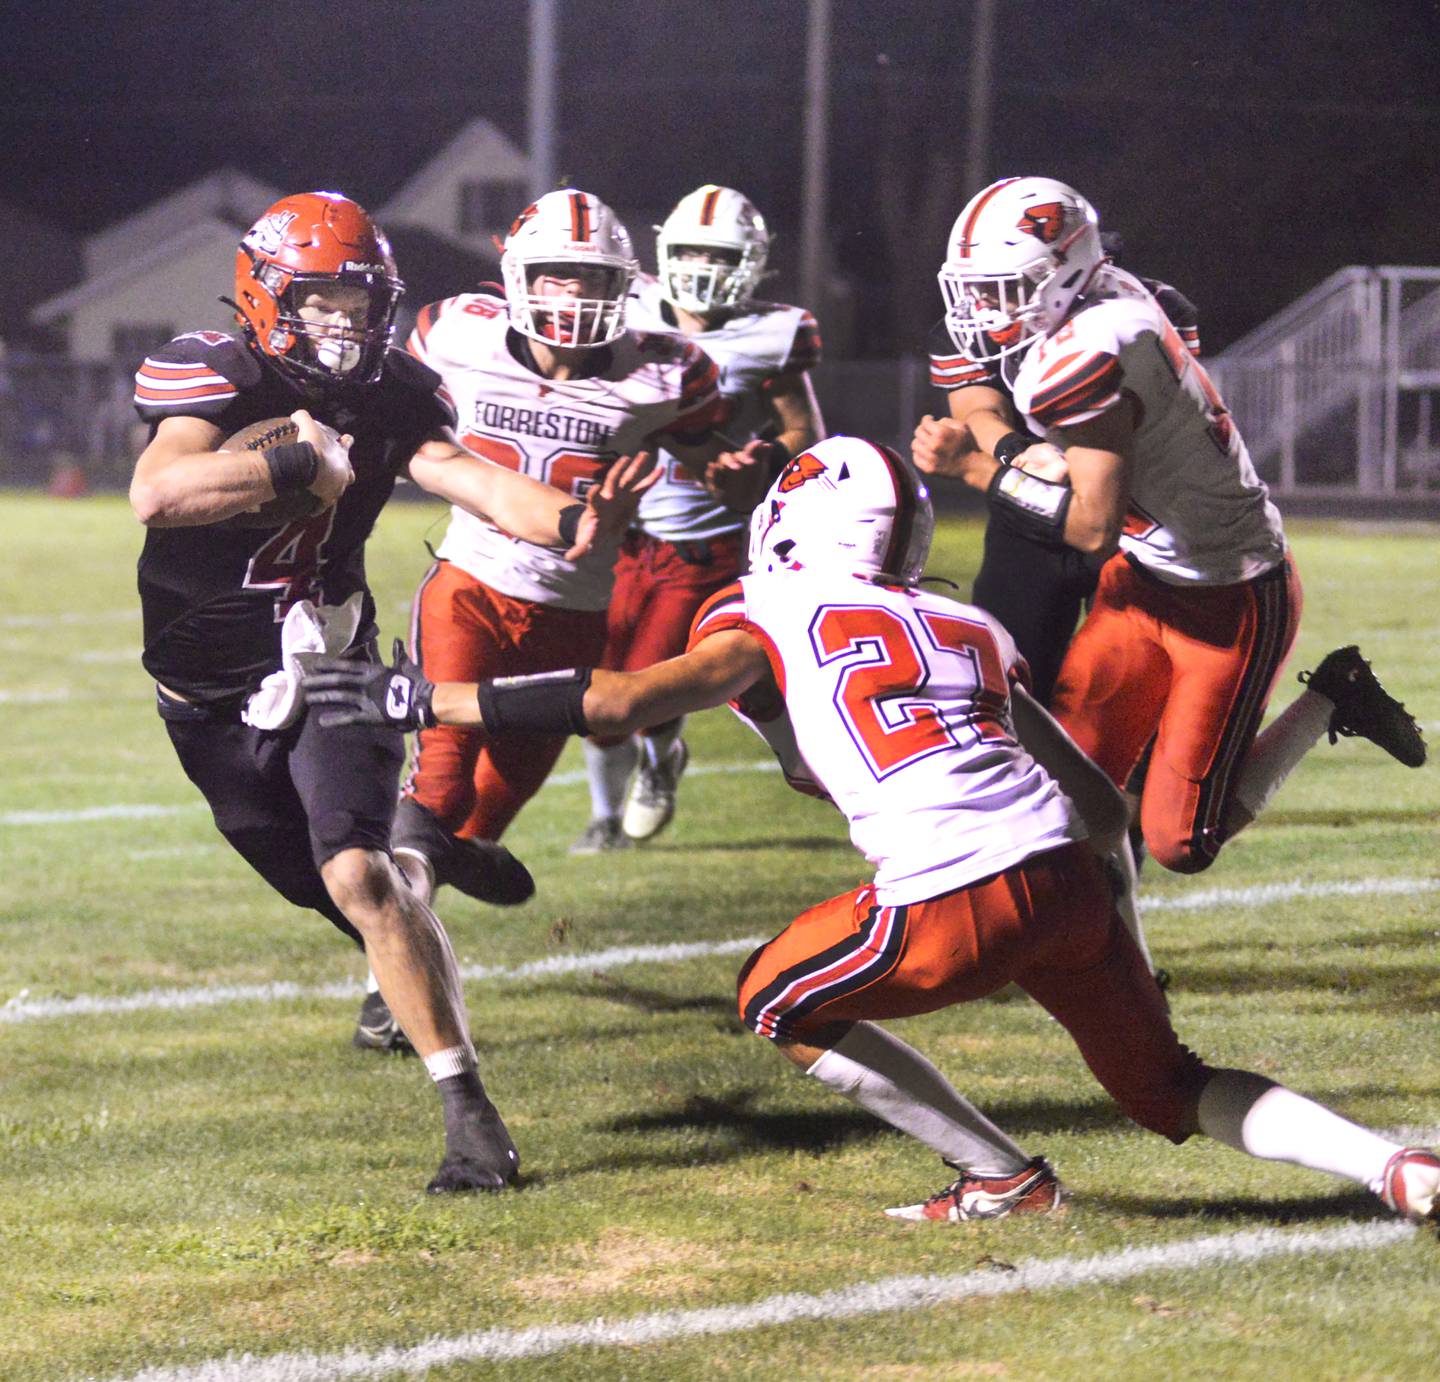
column 341, row 339
column 989, row 316
column 592, row 317
column 709, row 278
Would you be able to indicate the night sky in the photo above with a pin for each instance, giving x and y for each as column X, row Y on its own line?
column 1244, row 150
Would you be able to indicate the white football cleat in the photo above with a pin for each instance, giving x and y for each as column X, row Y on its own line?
column 1033, row 1190
column 650, row 806
column 1410, row 1185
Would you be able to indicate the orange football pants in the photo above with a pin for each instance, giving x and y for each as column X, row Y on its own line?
column 1047, row 924
column 462, row 630
column 1194, row 667
column 659, row 587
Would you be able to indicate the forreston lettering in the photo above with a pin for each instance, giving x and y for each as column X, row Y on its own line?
column 548, row 423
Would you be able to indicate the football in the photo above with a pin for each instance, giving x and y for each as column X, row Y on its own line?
column 284, row 508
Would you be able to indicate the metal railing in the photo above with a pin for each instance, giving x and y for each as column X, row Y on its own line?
column 1337, row 393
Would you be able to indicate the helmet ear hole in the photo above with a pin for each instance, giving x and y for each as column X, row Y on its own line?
column 784, row 548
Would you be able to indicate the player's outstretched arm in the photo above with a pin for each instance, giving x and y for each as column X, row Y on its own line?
column 526, row 508
column 577, row 701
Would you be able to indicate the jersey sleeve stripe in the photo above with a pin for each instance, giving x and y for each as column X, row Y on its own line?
column 169, row 394
column 1093, row 384
column 729, row 600
column 165, row 369
column 951, row 371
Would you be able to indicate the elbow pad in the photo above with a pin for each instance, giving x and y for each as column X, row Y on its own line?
column 546, row 703
column 1039, row 505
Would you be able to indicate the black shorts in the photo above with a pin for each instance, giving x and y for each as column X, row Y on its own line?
column 1037, row 590
column 291, row 799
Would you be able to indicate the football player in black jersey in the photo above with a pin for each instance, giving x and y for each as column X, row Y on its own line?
column 237, row 540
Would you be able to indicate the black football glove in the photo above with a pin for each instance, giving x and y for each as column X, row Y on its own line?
column 367, row 693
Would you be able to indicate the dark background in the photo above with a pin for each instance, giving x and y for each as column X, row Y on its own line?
column 1244, row 150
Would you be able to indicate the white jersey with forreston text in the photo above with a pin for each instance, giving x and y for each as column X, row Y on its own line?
column 749, row 349
column 1198, row 512
column 642, row 388
column 898, row 708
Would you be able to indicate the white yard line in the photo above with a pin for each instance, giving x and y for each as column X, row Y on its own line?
column 21, row 1008
column 24, row 1009
column 887, row 1296
column 140, row 811
column 95, row 813
column 45, row 621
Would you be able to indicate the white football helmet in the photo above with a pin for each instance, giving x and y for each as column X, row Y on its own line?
column 845, row 505
column 1020, row 253
column 711, row 251
column 575, row 236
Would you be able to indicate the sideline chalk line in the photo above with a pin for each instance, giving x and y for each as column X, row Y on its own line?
column 886, row 1296
column 22, row 1008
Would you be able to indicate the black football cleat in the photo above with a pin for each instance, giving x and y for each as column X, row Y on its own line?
column 479, row 1153
column 377, row 1029
column 482, row 869
column 1363, row 707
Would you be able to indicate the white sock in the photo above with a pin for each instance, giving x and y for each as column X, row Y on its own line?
column 1279, row 748
column 1258, row 1116
column 657, row 743
column 453, row 1060
column 1126, row 903
column 878, row 1071
column 372, row 984
column 609, row 772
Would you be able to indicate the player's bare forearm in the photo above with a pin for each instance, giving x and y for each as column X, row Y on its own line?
column 721, row 668
column 525, row 508
column 181, row 480
column 1096, row 456
column 797, row 411
column 718, row 670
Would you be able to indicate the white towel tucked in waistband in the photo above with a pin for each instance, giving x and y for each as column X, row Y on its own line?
column 310, row 631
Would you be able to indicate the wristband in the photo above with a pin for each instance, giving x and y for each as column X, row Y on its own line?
column 293, row 466
column 1011, row 445
column 568, row 522
column 547, row 703
column 1038, row 506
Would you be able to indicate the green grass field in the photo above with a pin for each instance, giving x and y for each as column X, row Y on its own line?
column 182, row 1184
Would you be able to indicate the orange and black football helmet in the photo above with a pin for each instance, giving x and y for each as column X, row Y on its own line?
column 301, row 245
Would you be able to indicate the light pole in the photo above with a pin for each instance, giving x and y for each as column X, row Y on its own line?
column 541, row 107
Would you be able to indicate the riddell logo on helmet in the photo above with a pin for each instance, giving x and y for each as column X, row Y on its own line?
column 268, row 233
column 359, row 266
column 804, row 467
column 1044, row 222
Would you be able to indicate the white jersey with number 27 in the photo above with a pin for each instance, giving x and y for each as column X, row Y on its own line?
column 898, row 706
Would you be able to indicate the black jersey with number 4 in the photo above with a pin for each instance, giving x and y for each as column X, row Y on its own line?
column 214, row 595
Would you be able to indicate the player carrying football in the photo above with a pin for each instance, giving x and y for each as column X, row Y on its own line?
column 982, row 819
column 252, row 560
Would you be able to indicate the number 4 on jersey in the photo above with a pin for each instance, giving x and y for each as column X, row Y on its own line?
column 886, row 668
column 289, row 562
